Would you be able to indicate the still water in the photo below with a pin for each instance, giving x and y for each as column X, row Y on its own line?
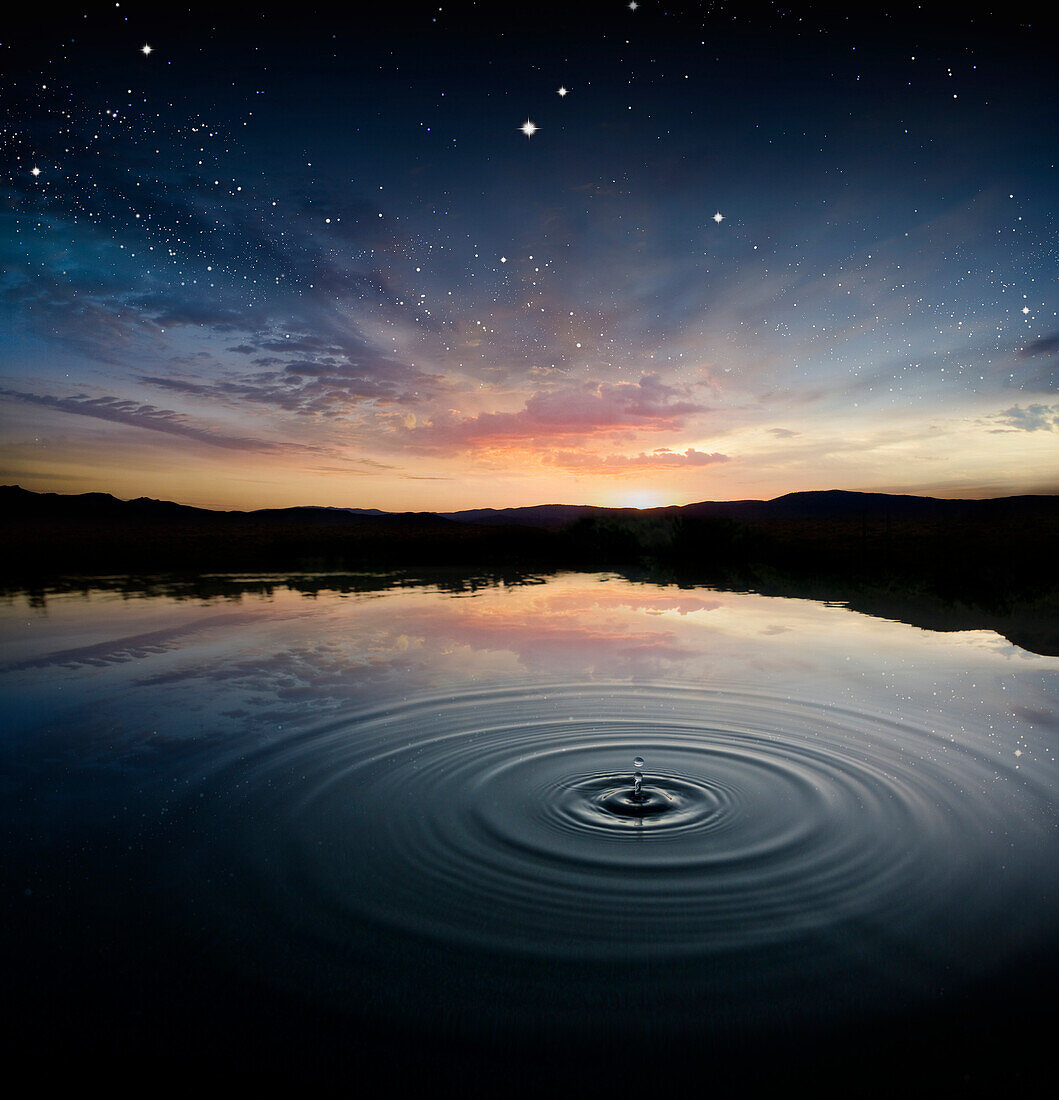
column 299, row 831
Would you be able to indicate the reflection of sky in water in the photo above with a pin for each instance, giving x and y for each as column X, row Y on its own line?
column 124, row 670
column 395, row 805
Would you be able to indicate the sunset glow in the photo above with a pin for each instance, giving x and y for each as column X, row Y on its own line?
column 269, row 264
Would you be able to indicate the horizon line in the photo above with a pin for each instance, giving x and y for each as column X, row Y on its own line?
column 526, row 507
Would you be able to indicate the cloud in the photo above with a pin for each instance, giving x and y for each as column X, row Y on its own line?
column 661, row 459
column 167, row 312
column 1045, row 352
column 568, row 413
column 783, row 433
column 316, row 365
column 1033, row 418
column 135, row 414
column 1046, row 345
column 92, row 325
column 329, row 387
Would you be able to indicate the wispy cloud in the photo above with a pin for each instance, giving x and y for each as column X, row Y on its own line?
column 1033, row 418
column 1046, row 345
column 329, row 387
column 134, row 414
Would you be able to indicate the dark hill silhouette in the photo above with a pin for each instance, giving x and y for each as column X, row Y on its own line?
column 16, row 502
column 832, row 504
column 51, row 533
column 928, row 560
column 538, row 515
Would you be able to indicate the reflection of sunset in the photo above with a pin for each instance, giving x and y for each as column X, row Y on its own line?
column 570, row 626
column 288, row 657
column 646, row 598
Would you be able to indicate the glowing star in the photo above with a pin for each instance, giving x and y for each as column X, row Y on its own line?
column 562, row 91
column 529, row 128
column 1025, row 309
column 633, row 5
column 718, row 217
column 34, row 171
column 146, row 50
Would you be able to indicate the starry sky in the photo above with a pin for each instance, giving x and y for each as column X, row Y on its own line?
column 440, row 256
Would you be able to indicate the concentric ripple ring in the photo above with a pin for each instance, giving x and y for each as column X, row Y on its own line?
column 492, row 823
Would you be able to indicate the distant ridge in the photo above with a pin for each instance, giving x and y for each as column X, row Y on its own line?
column 19, row 503
column 829, row 504
column 812, row 504
column 539, row 515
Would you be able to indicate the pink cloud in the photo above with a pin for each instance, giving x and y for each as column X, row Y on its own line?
column 570, row 413
column 651, row 603
column 555, row 642
column 660, row 459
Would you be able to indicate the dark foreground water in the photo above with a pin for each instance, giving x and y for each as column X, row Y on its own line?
column 311, row 838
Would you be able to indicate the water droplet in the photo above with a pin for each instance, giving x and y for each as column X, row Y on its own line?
column 638, row 763
column 637, row 780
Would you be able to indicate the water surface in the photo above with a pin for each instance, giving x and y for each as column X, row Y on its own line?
column 289, row 828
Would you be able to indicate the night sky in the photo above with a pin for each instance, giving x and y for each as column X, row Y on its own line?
column 460, row 255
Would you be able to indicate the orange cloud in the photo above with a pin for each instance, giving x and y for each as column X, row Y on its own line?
column 662, row 459
column 567, row 414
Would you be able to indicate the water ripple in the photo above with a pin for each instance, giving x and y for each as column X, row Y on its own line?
column 500, row 822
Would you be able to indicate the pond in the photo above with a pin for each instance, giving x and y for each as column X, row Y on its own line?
column 305, row 831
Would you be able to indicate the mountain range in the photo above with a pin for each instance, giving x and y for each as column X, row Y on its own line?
column 18, row 504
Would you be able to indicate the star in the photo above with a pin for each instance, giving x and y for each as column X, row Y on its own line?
column 562, row 91
column 34, row 171
column 718, row 217
column 529, row 128
column 146, row 50
column 633, row 5
column 1025, row 309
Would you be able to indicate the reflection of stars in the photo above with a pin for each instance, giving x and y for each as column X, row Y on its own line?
column 146, row 50
column 562, row 91
column 718, row 217
column 1018, row 752
column 529, row 128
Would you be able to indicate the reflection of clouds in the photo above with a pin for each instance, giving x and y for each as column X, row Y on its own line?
column 317, row 678
column 404, row 642
column 652, row 603
column 553, row 641
column 130, row 648
column 285, row 662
